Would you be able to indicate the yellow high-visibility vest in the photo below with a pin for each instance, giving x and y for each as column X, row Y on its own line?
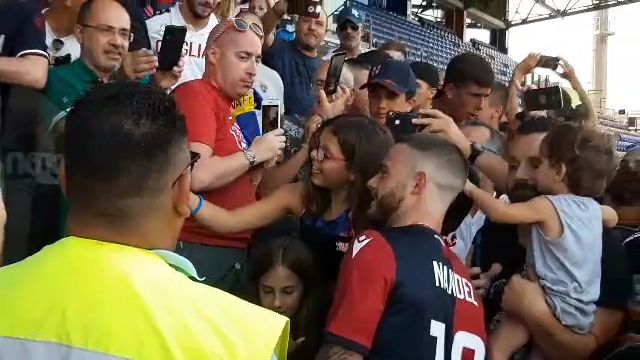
column 87, row 299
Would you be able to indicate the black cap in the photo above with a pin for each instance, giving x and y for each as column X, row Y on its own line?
column 395, row 75
column 427, row 73
column 370, row 59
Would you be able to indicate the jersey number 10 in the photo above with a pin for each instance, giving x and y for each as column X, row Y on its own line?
column 461, row 340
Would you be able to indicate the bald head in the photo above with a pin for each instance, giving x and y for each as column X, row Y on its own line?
column 442, row 161
column 231, row 59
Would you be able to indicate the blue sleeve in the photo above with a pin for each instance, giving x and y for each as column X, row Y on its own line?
column 278, row 49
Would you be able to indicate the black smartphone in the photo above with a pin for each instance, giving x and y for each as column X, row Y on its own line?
column 335, row 70
column 270, row 115
column 549, row 98
column 308, row 8
column 548, row 62
column 401, row 125
column 171, row 47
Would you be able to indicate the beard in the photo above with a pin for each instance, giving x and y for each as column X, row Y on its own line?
column 385, row 206
column 522, row 191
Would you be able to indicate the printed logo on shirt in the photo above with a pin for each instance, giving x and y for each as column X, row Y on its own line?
column 450, row 240
column 237, row 134
column 342, row 246
column 244, row 105
column 189, row 49
column 360, row 242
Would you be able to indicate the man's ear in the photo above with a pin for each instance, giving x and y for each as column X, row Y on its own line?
column 449, row 90
column 78, row 31
column 420, row 183
column 181, row 194
column 212, row 55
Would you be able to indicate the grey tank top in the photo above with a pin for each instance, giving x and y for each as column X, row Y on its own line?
column 569, row 267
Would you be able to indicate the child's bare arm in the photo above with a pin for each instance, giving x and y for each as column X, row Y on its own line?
column 609, row 216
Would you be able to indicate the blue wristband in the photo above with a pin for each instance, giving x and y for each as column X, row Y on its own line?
column 195, row 211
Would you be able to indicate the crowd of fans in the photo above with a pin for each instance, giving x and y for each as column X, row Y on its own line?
column 148, row 215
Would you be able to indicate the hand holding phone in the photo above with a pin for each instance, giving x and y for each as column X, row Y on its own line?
column 334, row 72
column 549, row 98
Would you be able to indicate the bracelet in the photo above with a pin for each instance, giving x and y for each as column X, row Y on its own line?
column 195, row 211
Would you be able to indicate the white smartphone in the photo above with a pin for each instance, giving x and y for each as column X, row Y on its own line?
column 270, row 115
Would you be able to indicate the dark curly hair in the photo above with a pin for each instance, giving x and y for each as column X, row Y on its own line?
column 587, row 153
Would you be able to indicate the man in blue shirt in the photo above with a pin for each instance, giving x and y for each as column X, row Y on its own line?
column 297, row 62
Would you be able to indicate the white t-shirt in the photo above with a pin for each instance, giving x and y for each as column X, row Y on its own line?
column 71, row 45
column 194, row 43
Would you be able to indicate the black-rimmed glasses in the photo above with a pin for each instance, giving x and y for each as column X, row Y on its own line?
column 105, row 30
column 194, row 159
column 240, row 25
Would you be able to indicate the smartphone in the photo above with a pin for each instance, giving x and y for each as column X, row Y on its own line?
column 171, row 47
column 270, row 115
column 308, row 8
column 335, row 70
column 400, row 124
column 549, row 98
column 548, row 62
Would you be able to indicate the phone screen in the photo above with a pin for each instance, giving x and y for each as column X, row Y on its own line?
column 334, row 72
column 171, row 47
column 548, row 62
column 270, row 117
column 401, row 125
column 549, row 98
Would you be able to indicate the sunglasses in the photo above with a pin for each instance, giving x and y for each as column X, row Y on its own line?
column 240, row 25
column 194, row 158
column 348, row 25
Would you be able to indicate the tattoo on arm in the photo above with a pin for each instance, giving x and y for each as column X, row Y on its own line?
column 336, row 352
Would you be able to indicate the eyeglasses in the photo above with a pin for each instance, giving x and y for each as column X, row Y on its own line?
column 105, row 30
column 240, row 25
column 348, row 25
column 194, row 159
column 320, row 155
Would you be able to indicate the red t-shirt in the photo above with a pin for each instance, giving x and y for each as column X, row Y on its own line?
column 208, row 116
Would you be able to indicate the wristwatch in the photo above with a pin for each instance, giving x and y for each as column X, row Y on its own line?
column 250, row 156
column 475, row 150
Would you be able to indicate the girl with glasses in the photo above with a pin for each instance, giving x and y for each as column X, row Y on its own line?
column 331, row 204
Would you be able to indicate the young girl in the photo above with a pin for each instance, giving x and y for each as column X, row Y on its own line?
column 565, row 242
column 346, row 152
column 283, row 278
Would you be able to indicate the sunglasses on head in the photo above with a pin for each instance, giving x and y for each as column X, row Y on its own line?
column 348, row 25
column 240, row 25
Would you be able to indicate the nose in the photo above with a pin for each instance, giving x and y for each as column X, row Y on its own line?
column 523, row 172
column 253, row 68
column 277, row 302
column 372, row 184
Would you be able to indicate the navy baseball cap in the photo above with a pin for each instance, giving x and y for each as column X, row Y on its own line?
column 395, row 75
column 349, row 13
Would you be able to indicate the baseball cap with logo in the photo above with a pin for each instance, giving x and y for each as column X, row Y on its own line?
column 395, row 75
column 351, row 14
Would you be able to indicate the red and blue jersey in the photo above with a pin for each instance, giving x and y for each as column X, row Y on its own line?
column 402, row 294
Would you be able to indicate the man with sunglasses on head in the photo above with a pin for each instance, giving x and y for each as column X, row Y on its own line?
column 199, row 19
column 60, row 19
column 228, row 171
column 349, row 29
column 113, row 288
column 104, row 32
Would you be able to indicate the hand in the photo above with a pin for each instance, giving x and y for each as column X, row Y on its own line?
column 329, row 109
column 138, row 64
column 280, row 7
column 436, row 122
column 469, row 187
column 526, row 66
column 166, row 79
column 524, row 298
column 568, row 72
column 313, row 123
column 269, row 145
column 482, row 284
